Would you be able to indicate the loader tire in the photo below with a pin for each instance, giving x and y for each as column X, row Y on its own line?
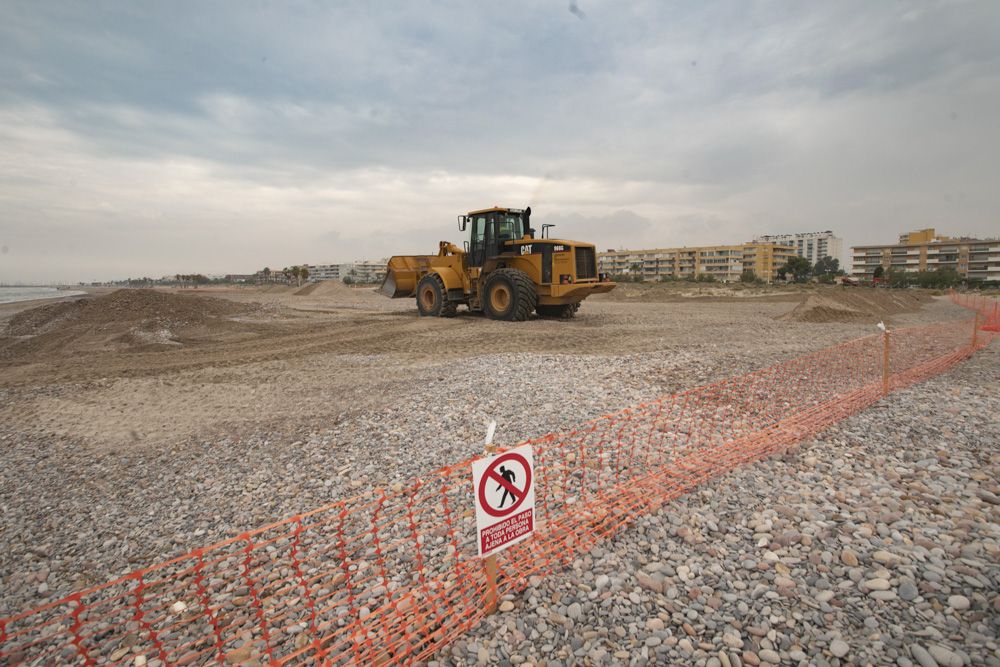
column 431, row 299
column 561, row 312
column 509, row 294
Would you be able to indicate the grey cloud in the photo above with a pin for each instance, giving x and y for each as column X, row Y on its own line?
column 377, row 124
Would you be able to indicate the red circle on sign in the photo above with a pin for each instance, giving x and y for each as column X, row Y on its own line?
column 491, row 475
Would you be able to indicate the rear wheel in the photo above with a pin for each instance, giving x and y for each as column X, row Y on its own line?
column 431, row 301
column 566, row 311
column 509, row 294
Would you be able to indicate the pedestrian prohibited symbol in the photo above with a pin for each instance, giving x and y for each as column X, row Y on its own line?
column 505, row 499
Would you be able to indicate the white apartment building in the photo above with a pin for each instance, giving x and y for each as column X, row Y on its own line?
column 364, row 271
column 814, row 246
column 320, row 272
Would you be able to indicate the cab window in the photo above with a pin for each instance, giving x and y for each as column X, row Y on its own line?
column 511, row 228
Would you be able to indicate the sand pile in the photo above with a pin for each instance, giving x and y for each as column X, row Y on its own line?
column 130, row 318
column 326, row 288
column 856, row 305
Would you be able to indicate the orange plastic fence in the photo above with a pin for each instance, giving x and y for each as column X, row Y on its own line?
column 393, row 577
column 988, row 308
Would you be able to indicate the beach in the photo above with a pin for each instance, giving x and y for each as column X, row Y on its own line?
column 140, row 424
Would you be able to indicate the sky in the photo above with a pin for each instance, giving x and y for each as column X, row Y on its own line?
column 148, row 139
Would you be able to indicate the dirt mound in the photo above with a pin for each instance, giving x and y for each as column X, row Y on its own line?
column 326, row 288
column 126, row 319
column 855, row 305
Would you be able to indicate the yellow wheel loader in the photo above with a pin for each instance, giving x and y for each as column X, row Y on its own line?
column 503, row 271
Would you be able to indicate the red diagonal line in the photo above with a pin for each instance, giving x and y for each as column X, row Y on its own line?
column 507, row 485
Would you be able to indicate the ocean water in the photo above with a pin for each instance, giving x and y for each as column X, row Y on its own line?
column 12, row 294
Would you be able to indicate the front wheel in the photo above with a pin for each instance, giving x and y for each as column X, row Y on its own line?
column 509, row 294
column 431, row 300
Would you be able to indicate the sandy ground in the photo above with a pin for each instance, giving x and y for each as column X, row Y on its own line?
column 314, row 354
column 122, row 450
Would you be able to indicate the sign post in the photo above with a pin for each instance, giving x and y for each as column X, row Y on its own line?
column 505, row 506
column 885, row 363
column 490, row 563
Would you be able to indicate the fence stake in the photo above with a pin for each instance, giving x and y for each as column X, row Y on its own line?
column 975, row 329
column 885, row 364
column 492, row 595
column 490, row 562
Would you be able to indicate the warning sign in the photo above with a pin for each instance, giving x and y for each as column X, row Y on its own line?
column 505, row 499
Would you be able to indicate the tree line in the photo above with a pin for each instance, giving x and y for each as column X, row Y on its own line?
column 297, row 273
column 800, row 270
column 939, row 279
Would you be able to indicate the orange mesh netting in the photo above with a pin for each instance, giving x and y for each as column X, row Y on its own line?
column 393, row 577
column 987, row 307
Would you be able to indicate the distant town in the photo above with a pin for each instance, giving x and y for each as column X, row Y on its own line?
column 922, row 257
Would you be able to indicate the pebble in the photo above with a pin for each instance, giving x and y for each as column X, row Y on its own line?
column 944, row 657
column 958, row 602
column 839, row 648
column 849, row 558
column 769, row 656
column 922, row 657
column 884, row 557
column 908, row 591
column 883, row 596
column 877, row 584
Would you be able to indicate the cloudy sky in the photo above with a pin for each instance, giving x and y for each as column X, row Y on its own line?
column 159, row 138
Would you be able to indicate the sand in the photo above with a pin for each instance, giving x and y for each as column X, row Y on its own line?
column 154, row 368
column 119, row 455
column 853, row 304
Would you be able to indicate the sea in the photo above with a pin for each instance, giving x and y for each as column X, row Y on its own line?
column 12, row 294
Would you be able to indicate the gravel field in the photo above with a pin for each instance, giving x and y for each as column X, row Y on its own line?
column 90, row 489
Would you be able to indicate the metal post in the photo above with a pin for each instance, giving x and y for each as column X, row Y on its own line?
column 885, row 364
column 975, row 329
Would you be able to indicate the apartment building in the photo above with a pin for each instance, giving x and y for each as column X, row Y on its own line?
column 924, row 250
column 764, row 259
column 239, row 277
column 725, row 263
column 814, row 246
column 320, row 272
column 365, row 271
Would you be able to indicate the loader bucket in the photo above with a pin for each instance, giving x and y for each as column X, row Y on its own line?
column 400, row 277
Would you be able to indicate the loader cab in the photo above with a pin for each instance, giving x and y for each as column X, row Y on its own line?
column 490, row 228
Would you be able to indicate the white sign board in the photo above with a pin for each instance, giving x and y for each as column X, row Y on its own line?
column 505, row 499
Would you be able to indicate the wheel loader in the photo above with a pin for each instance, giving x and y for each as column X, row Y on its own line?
column 503, row 270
